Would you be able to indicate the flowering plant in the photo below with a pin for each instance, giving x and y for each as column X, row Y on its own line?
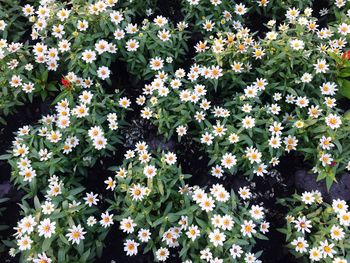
column 247, row 131
column 84, row 38
column 315, row 229
column 240, row 84
column 60, row 228
column 158, row 211
column 84, row 126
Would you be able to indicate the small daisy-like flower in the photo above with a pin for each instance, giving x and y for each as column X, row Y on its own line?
column 300, row 244
column 248, row 228
column 321, row 66
column 106, row 219
column 228, row 160
column 170, row 158
column 132, row 45
column 217, row 238
column 127, row 225
column 162, row 254
column 89, row 56
column 333, row 121
column 124, row 102
column 76, row 234
column 46, row 228
column 130, row 247
column 248, row 122
column 297, row 44
column 193, row 232
column 91, row 199
column 103, row 72
column 110, row 183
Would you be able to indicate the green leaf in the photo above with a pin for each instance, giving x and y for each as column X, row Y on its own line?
column 46, row 244
column 37, row 203
column 344, row 87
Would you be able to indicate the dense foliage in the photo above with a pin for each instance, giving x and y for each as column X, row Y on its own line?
column 247, row 82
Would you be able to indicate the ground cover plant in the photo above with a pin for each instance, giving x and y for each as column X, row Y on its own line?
column 174, row 131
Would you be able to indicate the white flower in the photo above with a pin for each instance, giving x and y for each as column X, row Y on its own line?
column 327, row 249
column 256, row 212
column 206, row 254
column 76, row 233
column 89, row 56
column 248, row 228
column 2, row 25
column 240, row 9
column 130, row 247
column 217, row 238
column 275, row 142
column 157, row 63
column 227, row 222
column 326, row 143
column 162, row 254
column 328, row 88
column 24, row 243
column 297, row 44
column 228, row 160
column 91, row 221
column 244, row 193
column 144, row 235
column 124, row 102
column 170, row 158
column 28, row 174
column 333, row 121
column 302, row 225
column 337, row 233
column 236, row 251
column 132, row 45
column 315, row 254
column 344, row 218
column 308, row 198
column 250, row 258
column 100, row 142
column 248, row 122
column 16, row 81
column 106, row 219
column 127, row 225
column 150, row 171
column 344, row 29
column 300, row 244
column 264, row 227
column 82, row 25
column 103, row 72
column 272, row 35
column 326, row 159
column 193, row 232
column 181, row 130
column 164, row 35
column 207, row 204
column 46, row 228
column 339, row 205
column 47, row 208
column 306, row 78
column 321, row 66
column 63, row 14
column 27, row 224
column 116, row 17
column 91, row 199
column 292, row 13
column 102, row 46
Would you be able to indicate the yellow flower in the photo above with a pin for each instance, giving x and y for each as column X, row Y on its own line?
column 154, row 101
